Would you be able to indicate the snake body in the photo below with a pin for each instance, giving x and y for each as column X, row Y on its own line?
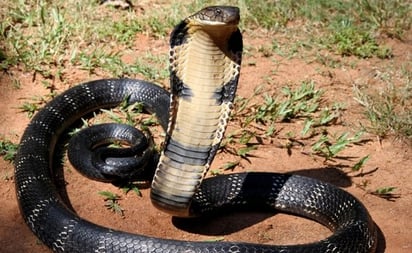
column 199, row 106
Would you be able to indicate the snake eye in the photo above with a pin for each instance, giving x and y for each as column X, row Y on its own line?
column 218, row 12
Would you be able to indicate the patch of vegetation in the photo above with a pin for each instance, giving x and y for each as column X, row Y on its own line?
column 131, row 187
column 385, row 192
column 348, row 39
column 360, row 164
column 345, row 27
column 131, row 114
column 330, row 146
column 112, row 202
column 44, row 35
column 263, row 120
column 270, row 15
column 389, row 109
column 33, row 105
column 8, row 150
column 292, row 104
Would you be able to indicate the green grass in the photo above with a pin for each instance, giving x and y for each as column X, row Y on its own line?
column 388, row 107
column 329, row 146
column 301, row 104
column 347, row 39
column 8, row 150
column 42, row 36
column 112, row 202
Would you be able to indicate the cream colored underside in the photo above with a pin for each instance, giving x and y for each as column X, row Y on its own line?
column 200, row 119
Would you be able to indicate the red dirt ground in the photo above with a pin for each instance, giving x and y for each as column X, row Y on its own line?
column 389, row 164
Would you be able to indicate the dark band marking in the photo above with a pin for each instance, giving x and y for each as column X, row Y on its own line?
column 179, row 34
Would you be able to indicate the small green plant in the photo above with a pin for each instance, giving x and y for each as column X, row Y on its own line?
column 329, row 115
column 300, row 102
column 32, row 106
column 386, row 193
column 389, row 111
column 295, row 103
column 359, row 165
column 131, row 187
column 348, row 39
column 8, row 150
column 230, row 165
column 225, row 167
column 29, row 108
column 385, row 190
column 329, row 146
column 238, row 143
column 112, row 202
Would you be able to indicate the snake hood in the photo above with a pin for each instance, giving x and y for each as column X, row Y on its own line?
column 205, row 57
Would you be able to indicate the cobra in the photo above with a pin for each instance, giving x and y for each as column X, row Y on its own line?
column 205, row 57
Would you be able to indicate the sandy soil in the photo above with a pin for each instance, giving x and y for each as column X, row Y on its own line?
column 389, row 164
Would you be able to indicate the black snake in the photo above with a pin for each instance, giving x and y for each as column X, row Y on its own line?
column 205, row 64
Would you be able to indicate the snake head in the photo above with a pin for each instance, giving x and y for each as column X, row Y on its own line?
column 217, row 16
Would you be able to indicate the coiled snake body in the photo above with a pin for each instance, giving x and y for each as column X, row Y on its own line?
column 205, row 62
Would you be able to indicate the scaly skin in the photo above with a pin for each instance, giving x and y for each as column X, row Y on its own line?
column 205, row 65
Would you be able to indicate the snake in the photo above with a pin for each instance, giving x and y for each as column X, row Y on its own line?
column 205, row 59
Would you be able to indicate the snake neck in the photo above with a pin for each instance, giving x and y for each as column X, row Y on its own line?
column 204, row 74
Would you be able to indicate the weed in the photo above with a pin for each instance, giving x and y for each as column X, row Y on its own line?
column 299, row 102
column 131, row 187
column 238, row 143
column 359, row 165
column 258, row 121
column 112, row 202
column 230, row 165
column 296, row 103
column 245, row 151
column 389, row 111
column 348, row 39
column 329, row 146
column 8, row 150
column 29, row 108
column 384, row 190
column 386, row 193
